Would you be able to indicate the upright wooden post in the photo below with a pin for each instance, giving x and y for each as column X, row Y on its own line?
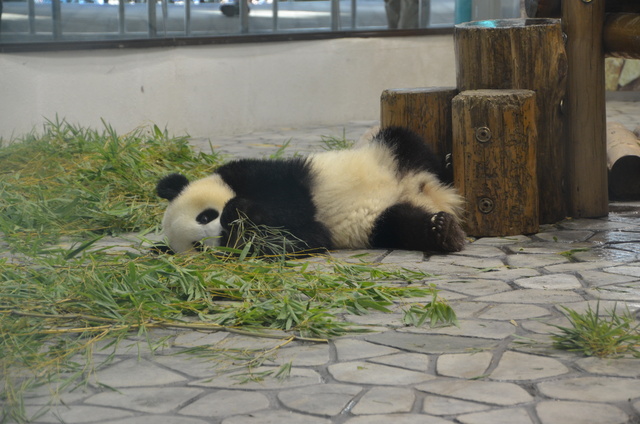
column 523, row 54
column 494, row 150
column 582, row 22
column 427, row 111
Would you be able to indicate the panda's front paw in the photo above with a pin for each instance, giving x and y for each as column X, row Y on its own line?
column 446, row 233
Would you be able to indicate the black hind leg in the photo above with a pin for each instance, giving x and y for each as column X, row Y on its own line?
column 405, row 226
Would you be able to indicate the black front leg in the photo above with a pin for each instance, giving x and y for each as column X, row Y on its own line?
column 279, row 227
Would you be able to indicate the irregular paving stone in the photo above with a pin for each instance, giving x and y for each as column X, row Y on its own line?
column 279, row 416
column 501, row 241
column 397, row 419
column 521, row 366
column 147, row 399
column 196, row 338
column 468, row 309
column 464, row 365
column 158, row 419
column 550, row 281
column 410, row 361
column 352, row 349
column 370, row 373
column 405, row 257
column 629, row 292
column 620, row 367
column 438, row 405
column 539, row 248
column 297, row 378
column 563, row 412
column 595, row 224
column 479, row 250
column 617, row 253
column 534, row 260
column 562, row 236
column 325, row 399
column 508, row 311
column 630, row 270
column 431, row 343
column 224, row 403
column 504, row 394
column 604, row 307
column 190, row 365
column 578, row 266
column 304, row 355
column 465, row 261
column 533, row 296
column 599, row 278
column 133, row 372
column 509, row 274
column 477, row 287
column 78, row 414
column 385, row 400
column 470, row 328
column 591, row 389
column 383, row 320
column 500, row 416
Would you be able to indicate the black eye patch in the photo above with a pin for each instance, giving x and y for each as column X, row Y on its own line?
column 206, row 216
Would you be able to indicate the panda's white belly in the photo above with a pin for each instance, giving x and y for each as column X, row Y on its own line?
column 352, row 189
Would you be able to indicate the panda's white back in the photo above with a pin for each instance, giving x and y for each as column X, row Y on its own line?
column 352, row 188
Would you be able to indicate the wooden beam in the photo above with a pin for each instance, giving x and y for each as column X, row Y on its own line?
column 622, row 35
column 584, row 106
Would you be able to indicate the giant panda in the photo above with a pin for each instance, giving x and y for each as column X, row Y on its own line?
column 387, row 193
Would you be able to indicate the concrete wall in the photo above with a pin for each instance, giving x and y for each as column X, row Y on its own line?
column 219, row 89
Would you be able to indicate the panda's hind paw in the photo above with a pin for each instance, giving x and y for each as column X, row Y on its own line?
column 445, row 233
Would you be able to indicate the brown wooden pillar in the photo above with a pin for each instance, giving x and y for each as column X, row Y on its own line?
column 584, row 106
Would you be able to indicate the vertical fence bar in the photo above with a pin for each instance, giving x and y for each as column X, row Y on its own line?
column 187, row 17
column 335, row 15
column 121, row 17
column 151, row 18
column 425, row 13
column 244, row 16
column 56, row 19
column 31, row 6
column 165, row 15
column 354, row 13
column 274, row 15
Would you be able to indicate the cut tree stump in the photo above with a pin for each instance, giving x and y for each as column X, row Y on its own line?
column 494, row 153
column 523, row 54
column 427, row 111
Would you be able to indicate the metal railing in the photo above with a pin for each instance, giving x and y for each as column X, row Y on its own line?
column 29, row 21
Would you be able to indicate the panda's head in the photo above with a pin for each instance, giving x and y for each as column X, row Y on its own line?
column 193, row 215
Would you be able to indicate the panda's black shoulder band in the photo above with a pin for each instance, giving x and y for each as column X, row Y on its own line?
column 171, row 186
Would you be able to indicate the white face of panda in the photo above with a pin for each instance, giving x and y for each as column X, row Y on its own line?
column 193, row 216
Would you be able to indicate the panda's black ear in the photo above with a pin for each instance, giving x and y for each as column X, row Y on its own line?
column 171, row 186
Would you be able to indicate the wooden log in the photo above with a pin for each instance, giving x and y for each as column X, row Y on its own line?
column 622, row 35
column 427, row 111
column 623, row 162
column 523, row 54
column 494, row 152
column 584, row 108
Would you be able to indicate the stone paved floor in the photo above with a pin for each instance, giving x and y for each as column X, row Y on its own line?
column 497, row 367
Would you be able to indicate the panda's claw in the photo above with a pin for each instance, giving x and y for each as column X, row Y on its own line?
column 446, row 233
